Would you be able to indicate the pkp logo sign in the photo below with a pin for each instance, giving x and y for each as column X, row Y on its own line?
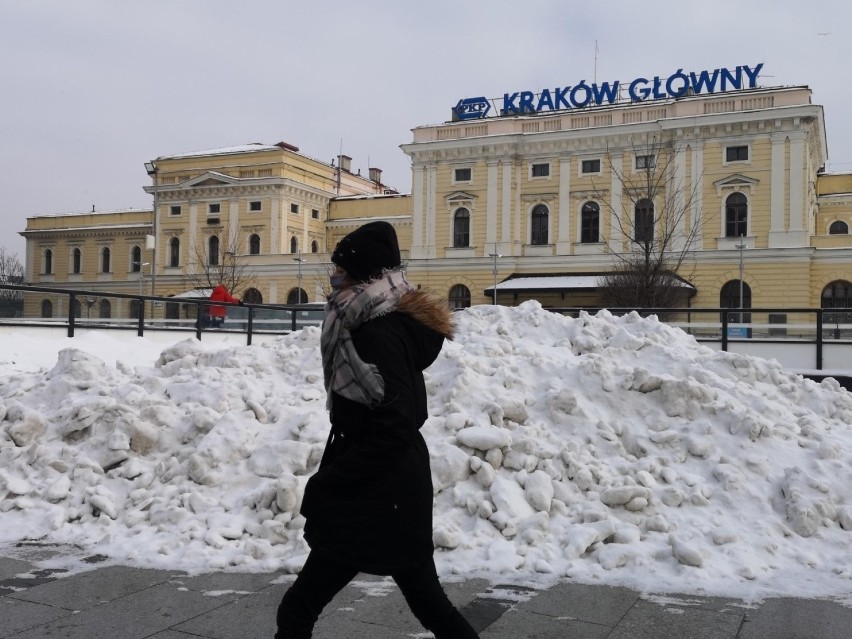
column 471, row 109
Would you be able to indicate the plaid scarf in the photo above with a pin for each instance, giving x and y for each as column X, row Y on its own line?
column 347, row 309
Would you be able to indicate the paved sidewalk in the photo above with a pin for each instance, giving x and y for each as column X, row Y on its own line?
column 116, row 602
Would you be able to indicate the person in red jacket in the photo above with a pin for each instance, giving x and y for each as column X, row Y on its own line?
column 217, row 312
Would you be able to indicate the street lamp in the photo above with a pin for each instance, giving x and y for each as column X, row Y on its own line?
column 742, row 245
column 141, row 266
column 299, row 261
column 152, row 169
column 495, row 255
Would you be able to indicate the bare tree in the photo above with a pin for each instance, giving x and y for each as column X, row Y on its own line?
column 11, row 272
column 221, row 263
column 654, row 230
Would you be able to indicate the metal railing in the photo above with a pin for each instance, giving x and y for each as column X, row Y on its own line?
column 148, row 312
column 753, row 330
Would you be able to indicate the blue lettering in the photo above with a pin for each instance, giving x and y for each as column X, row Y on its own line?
column 605, row 91
column 509, row 103
column 703, row 79
column 586, row 92
column 545, row 100
column 752, row 74
column 526, row 103
column 657, row 93
column 562, row 98
column 732, row 81
column 642, row 93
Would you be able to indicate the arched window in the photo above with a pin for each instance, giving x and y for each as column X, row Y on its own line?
column 837, row 294
column 538, row 226
column 76, row 261
column 253, row 296
column 213, row 250
column 314, row 247
column 294, row 245
column 297, row 296
column 46, row 308
column 104, row 309
column 106, row 260
column 838, row 228
column 48, row 262
column 643, row 221
column 590, row 223
column 729, row 297
column 136, row 260
column 254, row 244
column 459, row 297
column 174, row 252
column 461, row 228
column 736, row 215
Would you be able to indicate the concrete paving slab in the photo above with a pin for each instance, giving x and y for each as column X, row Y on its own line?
column 786, row 618
column 647, row 620
column 93, row 588
column 18, row 616
column 248, row 616
column 537, row 626
column 12, row 567
column 139, row 615
column 603, row 605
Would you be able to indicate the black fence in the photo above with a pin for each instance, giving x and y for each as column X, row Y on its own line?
column 78, row 308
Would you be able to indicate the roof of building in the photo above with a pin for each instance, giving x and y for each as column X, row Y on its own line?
column 556, row 283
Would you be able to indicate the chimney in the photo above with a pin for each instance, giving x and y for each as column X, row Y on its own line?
column 344, row 162
column 375, row 175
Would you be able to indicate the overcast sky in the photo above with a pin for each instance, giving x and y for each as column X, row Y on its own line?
column 92, row 89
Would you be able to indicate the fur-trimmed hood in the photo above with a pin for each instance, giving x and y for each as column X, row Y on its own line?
column 429, row 311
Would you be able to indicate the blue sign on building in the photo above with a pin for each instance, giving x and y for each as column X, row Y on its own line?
column 582, row 94
column 471, row 109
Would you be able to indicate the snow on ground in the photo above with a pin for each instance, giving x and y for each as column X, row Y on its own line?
column 600, row 449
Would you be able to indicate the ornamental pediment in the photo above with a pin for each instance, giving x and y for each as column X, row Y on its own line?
column 735, row 182
column 211, row 178
column 459, row 196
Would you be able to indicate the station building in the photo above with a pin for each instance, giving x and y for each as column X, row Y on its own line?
column 532, row 196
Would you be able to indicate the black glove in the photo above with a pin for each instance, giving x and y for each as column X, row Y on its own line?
column 241, row 303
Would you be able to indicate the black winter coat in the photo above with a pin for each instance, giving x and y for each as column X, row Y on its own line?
column 370, row 503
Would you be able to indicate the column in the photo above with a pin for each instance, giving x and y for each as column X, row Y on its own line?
column 491, row 205
column 563, row 242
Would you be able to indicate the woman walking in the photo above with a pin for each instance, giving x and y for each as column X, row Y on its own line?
column 369, row 506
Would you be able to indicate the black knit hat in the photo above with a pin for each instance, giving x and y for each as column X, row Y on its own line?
column 367, row 251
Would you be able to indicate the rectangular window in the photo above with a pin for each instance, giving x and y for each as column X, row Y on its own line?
column 174, row 210
column 213, row 209
column 294, row 208
column 540, row 170
column 315, row 214
column 462, row 175
column 646, row 162
column 591, row 166
column 736, row 153
column 254, row 206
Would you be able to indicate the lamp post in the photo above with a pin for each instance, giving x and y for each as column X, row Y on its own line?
column 299, row 261
column 142, row 266
column 152, row 169
column 742, row 245
column 495, row 255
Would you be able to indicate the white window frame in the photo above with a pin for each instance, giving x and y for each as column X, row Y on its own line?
column 540, row 177
column 252, row 208
column 644, row 161
column 462, row 168
column 582, row 173
column 726, row 146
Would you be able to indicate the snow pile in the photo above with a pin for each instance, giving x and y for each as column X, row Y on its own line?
column 613, row 450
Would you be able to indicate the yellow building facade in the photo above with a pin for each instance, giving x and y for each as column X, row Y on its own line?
column 539, row 201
